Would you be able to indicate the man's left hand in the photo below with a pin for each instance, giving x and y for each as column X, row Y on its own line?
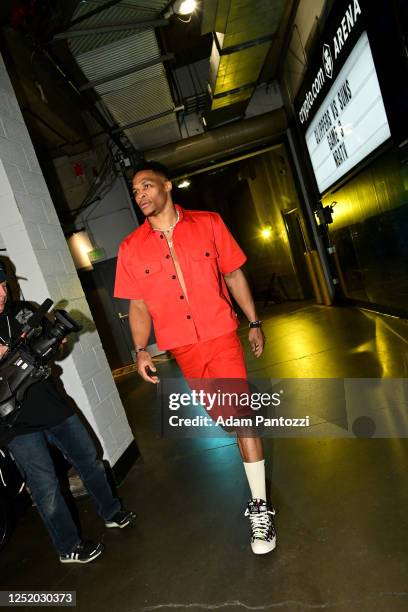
column 256, row 340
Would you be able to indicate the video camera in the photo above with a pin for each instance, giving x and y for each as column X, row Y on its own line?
column 26, row 361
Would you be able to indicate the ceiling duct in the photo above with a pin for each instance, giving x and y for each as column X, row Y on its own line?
column 227, row 140
column 243, row 32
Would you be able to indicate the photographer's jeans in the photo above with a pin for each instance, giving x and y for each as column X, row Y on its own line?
column 34, row 460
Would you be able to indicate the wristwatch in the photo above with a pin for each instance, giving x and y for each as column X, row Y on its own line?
column 139, row 350
column 255, row 324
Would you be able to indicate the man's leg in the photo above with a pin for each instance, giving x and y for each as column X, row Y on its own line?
column 252, row 454
column 34, row 460
column 223, row 358
column 227, row 360
column 73, row 440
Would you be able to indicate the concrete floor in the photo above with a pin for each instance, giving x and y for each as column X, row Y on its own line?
column 342, row 503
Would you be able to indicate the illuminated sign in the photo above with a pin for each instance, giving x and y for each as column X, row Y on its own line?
column 351, row 122
column 325, row 71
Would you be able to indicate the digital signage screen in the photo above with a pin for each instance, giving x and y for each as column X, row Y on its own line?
column 351, row 122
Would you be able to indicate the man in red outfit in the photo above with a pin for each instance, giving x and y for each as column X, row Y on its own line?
column 176, row 269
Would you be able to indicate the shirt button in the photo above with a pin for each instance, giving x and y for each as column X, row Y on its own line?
column 174, row 277
column 207, row 254
column 167, row 256
column 181, row 297
column 188, row 316
column 147, row 271
column 161, row 236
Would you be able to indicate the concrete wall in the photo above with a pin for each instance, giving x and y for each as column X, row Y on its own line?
column 30, row 230
column 107, row 221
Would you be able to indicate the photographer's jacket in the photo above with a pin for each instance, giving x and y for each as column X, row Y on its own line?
column 44, row 406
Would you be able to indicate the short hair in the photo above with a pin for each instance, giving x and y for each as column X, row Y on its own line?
column 154, row 166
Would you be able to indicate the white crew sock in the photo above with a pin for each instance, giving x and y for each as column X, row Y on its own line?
column 255, row 472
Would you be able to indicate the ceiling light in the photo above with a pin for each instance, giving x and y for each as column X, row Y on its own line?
column 181, row 7
column 184, row 184
column 184, row 7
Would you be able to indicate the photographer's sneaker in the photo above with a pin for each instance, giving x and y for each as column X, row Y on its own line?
column 84, row 552
column 121, row 519
column 263, row 534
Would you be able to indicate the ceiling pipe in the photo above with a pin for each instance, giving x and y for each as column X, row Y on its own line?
column 133, row 124
column 140, row 25
column 95, row 11
column 99, row 118
column 222, row 141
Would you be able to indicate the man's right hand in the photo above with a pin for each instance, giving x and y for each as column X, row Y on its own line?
column 146, row 367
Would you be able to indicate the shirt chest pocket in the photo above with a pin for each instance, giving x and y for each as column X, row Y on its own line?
column 207, row 253
column 148, row 271
column 204, row 267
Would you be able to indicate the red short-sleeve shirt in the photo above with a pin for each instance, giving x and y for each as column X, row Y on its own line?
column 205, row 250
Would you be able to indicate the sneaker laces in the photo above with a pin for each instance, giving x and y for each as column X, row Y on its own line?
column 261, row 523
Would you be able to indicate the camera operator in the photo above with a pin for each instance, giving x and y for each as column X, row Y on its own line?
column 46, row 418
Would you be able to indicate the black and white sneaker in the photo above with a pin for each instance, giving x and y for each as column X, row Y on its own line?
column 121, row 519
column 84, row 552
column 263, row 534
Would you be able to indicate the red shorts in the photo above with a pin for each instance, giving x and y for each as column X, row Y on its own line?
column 217, row 366
column 221, row 357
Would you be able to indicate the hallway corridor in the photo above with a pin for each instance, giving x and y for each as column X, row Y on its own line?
column 341, row 503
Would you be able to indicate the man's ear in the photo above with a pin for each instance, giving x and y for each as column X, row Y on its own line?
column 168, row 185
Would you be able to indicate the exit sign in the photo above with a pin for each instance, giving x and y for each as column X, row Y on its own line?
column 96, row 255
